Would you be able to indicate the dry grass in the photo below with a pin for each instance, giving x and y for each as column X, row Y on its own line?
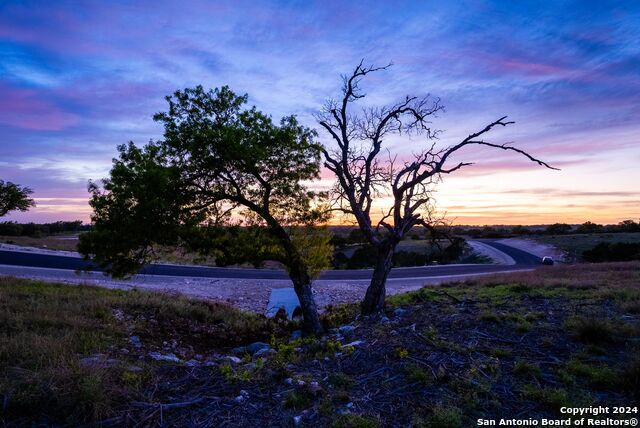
column 575, row 244
column 55, row 242
column 491, row 347
column 46, row 330
column 612, row 276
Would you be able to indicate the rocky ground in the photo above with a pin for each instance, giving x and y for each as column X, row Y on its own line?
column 247, row 294
column 519, row 345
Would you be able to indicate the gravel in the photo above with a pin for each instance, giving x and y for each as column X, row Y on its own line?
column 247, row 294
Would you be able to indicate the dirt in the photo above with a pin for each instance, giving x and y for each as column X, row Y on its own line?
column 458, row 352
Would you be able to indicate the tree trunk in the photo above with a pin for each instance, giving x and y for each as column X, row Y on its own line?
column 299, row 274
column 310, row 319
column 374, row 298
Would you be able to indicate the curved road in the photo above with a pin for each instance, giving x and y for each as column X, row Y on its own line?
column 523, row 260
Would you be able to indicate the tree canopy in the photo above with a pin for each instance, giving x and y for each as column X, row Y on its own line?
column 219, row 166
column 14, row 197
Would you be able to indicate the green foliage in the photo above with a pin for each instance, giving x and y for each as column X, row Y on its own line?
column 46, row 329
column 445, row 417
column 598, row 376
column 298, row 400
column 409, row 258
column 501, row 352
column 363, row 257
column 401, row 353
column 14, row 197
column 525, row 369
column 629, row 379
column 216, row 157
column 416, row 373
column 613, row 252
column 314, row 245
column 340, row 380
column 589, row 227
column 9, row 228
column 553, row 399
column 591, row 330
column 354, row 421
column 558, row 229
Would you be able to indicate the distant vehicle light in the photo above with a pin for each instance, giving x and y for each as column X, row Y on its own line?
column 547, row 261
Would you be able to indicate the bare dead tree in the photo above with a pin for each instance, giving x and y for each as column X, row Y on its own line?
column 364, row 173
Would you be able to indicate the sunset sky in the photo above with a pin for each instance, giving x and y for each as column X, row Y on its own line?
column 77, row 78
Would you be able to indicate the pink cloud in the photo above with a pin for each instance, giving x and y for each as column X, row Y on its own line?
column 24, row 109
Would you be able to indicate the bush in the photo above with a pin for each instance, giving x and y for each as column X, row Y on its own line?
column 362, row 258
column 613, row 252
column 340, row 260
column 409, row 258
column 591, row 330
column 558, row 229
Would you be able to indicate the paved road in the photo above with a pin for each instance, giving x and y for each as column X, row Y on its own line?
column 523, row 260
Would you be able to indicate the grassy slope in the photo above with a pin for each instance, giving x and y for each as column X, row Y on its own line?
column 574, row 245
column 46, row 329
column 493, row 347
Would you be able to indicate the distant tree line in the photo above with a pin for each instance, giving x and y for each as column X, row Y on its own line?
column 10, row 228
column 626, row 226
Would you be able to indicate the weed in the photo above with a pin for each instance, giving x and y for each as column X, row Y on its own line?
column 489, row 316
column 333, row 346
column 598, row 376
column 354, row 421
column 591, row 330
column 500, row 353
column 523, row 326
column 325, row 408
column 298, row 400
column 340, row 380
column 552, row 399
column 445, row 417
column 417, row 373
column 629, row 378
column 226, row 370
column 526, row 370
column 401, row 353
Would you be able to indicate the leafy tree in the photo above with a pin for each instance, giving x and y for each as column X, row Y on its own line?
column 225, row 180
column 558, row 229
column 14, row 197
column 365, row 170
column 589, row 227
column 628, row 226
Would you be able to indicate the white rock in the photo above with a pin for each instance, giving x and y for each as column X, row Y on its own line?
column 232, row 359
column 171, row 357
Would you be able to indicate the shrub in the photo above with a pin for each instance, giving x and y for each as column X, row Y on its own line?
column 362, row 258
column 354, row 421
column 409, row 258
column 445, row 417
column 591, row 330
column 524, row 369
column 613, row 252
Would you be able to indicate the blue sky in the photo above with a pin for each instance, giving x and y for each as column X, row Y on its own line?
column 78, row 78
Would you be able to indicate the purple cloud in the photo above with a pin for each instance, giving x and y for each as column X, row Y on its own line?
column 80, row 77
